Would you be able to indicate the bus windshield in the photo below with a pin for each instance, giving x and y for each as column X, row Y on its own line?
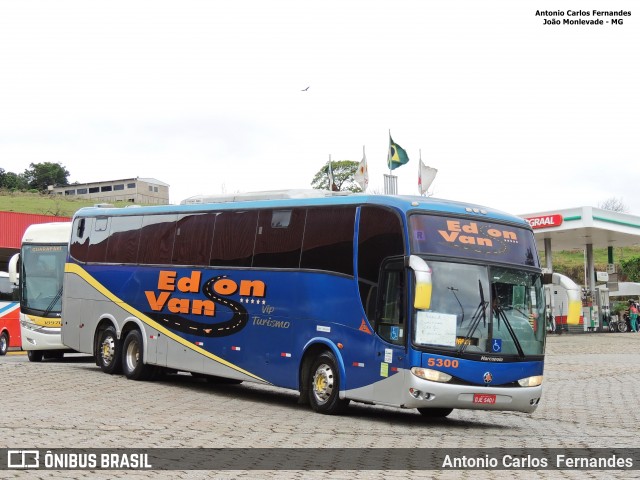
column 486, row 310
column 42, row 274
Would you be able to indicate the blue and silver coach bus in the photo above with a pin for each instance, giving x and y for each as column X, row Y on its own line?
column 410, row 302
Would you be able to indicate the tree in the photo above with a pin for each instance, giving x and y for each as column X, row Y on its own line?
column 343, row 175
column 11, row 181
column 613, row 204
column 631, row 268
column 44, row 174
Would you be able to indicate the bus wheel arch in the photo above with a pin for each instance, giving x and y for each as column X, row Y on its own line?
column 108, row 348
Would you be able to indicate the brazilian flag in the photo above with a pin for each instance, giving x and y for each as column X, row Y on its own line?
column 397, row 156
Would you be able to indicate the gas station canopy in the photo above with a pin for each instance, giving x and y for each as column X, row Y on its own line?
column 584, row 228
column 575, row 228
column 587, row 228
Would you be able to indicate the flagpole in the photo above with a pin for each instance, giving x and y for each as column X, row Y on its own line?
column 420, row 172
column 389, row 154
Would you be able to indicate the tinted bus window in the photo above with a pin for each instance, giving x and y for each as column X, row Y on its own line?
column 124, row 238
column 80, row 232
column 279, row 238
column 156, row 238
column 193, row 236
column 234, row 239
column 379, row 237
column 98, row 236
column 328, row 240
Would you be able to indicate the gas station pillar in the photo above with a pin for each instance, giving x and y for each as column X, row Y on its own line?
column 547, row 254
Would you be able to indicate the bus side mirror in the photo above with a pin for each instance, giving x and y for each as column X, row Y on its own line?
column 13, row 269
column 422, row 300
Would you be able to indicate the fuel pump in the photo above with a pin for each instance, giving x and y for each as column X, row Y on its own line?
column 602, row 298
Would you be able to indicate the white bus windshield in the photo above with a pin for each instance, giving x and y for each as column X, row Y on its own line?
column 41, row 277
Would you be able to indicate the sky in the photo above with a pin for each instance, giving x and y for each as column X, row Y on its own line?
column 208, row 96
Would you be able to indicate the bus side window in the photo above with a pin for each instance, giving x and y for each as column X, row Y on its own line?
column 193, row 237
column 80, row 239
column 278, row 239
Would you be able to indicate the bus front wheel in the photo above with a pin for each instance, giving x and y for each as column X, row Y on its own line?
column 435, row 412
column 133, row 357
column 108, row 355
column 4, row 343
column 324, row 391
column 34, row 355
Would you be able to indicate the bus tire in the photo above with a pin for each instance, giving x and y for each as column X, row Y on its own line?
column 108, row 356
column 34, row 355
column 324, row 388
column 4, row 343
column 435, row 412
column 133, row 364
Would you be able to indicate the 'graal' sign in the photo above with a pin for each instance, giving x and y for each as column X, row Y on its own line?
column 545, row 221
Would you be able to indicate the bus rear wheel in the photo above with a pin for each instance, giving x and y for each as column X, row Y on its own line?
column 435, row 412
column 4, row 343
column 133, row 357
column 108, row 355
column 324, row 391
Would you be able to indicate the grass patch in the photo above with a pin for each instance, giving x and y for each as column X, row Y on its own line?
column 55, row 205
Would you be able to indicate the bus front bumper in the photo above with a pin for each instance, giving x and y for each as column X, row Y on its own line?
column 41, row 338
column 421, row 393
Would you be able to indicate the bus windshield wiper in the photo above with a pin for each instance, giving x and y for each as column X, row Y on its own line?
column 501, row 315
column 53, row 302
column 479, row 314
column 454, row 290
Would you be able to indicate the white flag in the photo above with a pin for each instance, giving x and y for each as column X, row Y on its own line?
column 362, row 174
column 426, row 176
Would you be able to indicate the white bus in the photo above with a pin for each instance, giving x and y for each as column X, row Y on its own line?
column 40, row 265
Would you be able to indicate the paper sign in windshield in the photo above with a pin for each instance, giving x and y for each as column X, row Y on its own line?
column 434, row 328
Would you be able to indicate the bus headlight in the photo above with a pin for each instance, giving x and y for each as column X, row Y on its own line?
column 431, row 375
column 531, row 381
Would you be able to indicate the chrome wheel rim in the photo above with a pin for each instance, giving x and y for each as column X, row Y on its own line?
column 133, row 355
column 323, row 383
column 108, row 350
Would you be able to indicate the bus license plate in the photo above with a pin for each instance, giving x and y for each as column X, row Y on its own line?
column 484, row 398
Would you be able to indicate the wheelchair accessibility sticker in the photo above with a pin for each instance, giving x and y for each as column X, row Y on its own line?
column 395, row 333
column 496, row 345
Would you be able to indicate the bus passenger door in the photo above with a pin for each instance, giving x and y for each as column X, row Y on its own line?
column 391, row 333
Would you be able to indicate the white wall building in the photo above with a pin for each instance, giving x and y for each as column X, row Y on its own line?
column 134, row 190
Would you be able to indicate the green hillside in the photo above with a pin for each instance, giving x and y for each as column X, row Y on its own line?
column 570, row 263
column 55, row 205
